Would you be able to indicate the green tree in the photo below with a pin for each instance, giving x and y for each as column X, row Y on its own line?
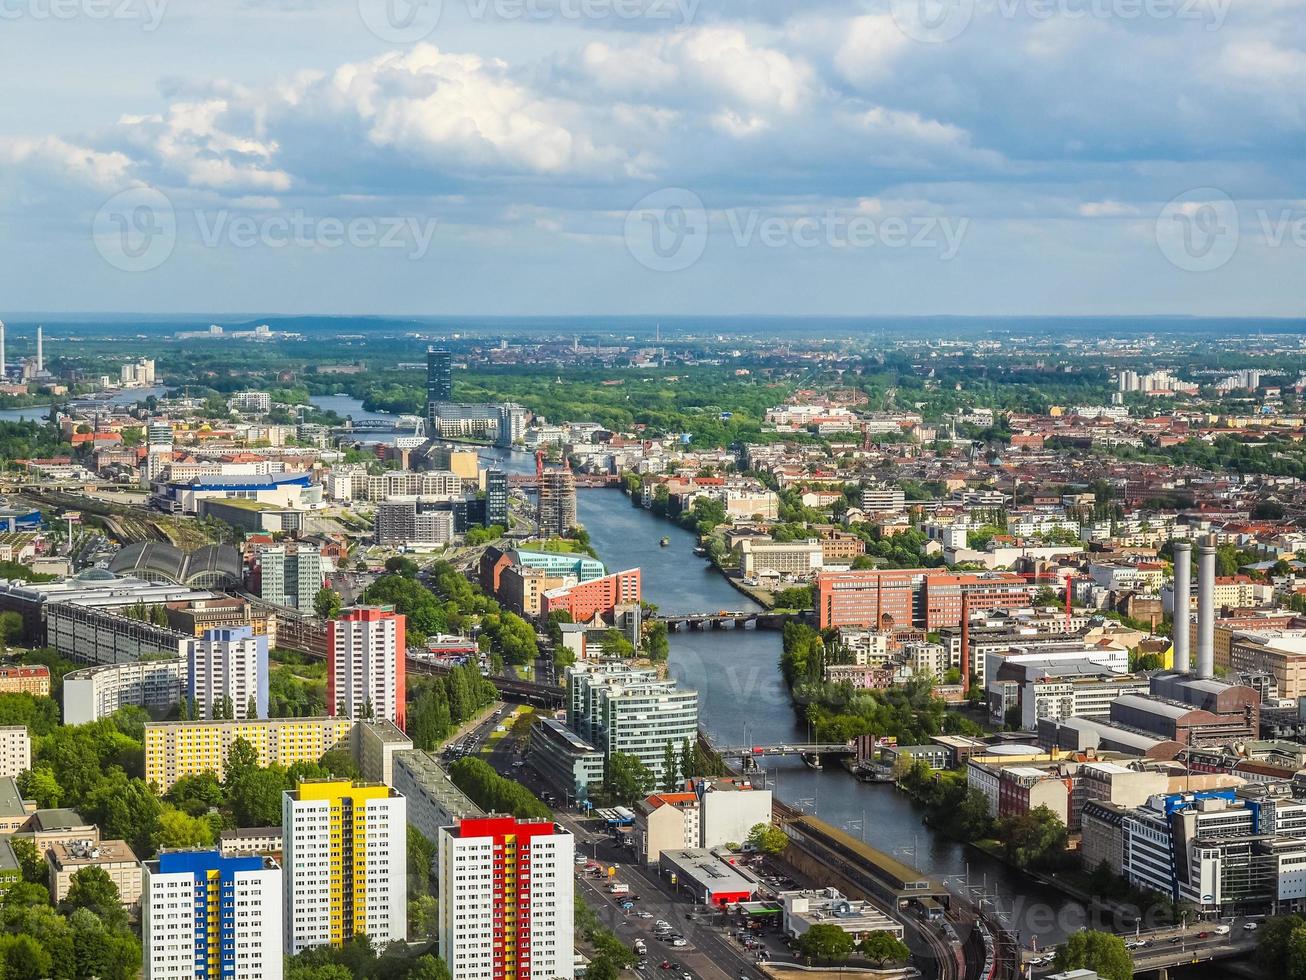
column 825, row 941
column 626, row 779
column 670, row 768
column 241, row 759
column 1273, row 942
column 767, row 838
column 31, row 864
column 11, row 628
column 256, row 797
column 883, row 947
column 176, row 829
column 1099, row 951
column 24, row 958
column 428, row 967
column 327, row 603
column 399, row 565
column 91, row 888
column 1034, row 839
column 657, row 643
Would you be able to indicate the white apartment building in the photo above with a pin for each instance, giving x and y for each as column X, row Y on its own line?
column 617, row 709
column 366, row 656
column 97, row 692
column 228, row 668
column 504, row 879
column 190, row 899
column 345, row 852
column 15, row 750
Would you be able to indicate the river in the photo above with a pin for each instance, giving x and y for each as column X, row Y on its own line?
column 743, row 700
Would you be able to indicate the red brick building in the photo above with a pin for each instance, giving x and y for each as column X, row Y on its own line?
column 597, row 597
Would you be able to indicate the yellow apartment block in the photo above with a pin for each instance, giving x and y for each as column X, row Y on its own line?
column 176, row 749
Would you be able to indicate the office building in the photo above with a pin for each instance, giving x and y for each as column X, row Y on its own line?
column 439, row 375
column 568, row 763
column 926, row 598
column 620, row 709
column 496, row 498
column 205, row 916
column 114, row 857
column 290, row 576
column 507, row 893
column 345, row 854
column 760, row 557
column 557, row 501
column 175, row 749
column 599, row 597
column 366, row 657
column 228, row 674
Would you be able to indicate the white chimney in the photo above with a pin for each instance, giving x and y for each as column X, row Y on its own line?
column 1183, row 573
column 1206, row 609
column 40, row 352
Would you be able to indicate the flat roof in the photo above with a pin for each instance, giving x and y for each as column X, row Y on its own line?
column 80, row 854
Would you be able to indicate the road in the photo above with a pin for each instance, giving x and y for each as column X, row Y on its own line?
column 710, row 954
column 1166, row 946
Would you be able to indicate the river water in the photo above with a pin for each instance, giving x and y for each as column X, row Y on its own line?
column 743, row 700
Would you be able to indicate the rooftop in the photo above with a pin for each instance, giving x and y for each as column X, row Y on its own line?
column 83, row 853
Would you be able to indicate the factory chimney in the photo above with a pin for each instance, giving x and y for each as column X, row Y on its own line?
column 3, row 365
column 1206, row 609
column 40, row 352
column 1183, row 573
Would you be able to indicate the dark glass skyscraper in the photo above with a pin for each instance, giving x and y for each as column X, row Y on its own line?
column 439, row 375
column 496, row 498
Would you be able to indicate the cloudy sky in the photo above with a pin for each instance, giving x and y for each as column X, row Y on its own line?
column 642, row 156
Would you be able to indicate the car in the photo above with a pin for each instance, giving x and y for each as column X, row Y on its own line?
column 665, row 965
column 1176, row 940
column 1221, row 930
column 644, row 914
column 679, row 943
column 1203, row 935
column 1249, row 926
column 686, row 976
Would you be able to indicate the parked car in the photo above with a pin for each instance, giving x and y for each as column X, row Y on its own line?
column 1249, row 926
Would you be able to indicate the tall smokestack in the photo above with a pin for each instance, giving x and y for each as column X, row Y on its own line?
column 3, row 365
column 1183, row 573
column 40, row 352
column 1206, row 609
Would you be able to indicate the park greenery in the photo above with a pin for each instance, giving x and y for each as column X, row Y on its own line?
column 439, row 704
column 495, row 794
column 838, row 712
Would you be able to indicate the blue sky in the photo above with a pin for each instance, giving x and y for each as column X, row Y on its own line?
column 654, row 156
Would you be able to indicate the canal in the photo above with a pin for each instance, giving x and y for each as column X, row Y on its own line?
column 743, row 700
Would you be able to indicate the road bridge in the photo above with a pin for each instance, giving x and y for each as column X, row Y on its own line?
column 725, row 619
